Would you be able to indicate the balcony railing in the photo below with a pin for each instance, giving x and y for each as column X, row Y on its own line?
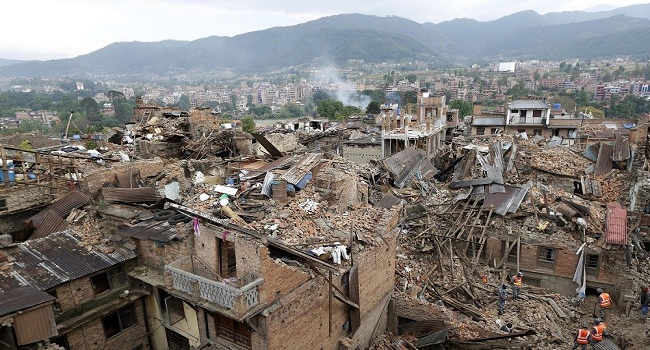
column 528, row 120
column 237, row 299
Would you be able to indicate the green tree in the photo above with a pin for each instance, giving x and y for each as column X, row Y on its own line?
column 248, row 124
column 464, row 108
column 319, row 95
column 373, row 107
column 331, row 109
column 123, row 111
column 91, row 110
column 412, row 78
column 184, row 103
column 30, row 125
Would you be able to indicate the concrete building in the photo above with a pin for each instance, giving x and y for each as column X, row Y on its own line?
column 425, row 130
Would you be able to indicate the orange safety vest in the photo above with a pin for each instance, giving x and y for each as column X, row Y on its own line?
column 598, row 333
column 583, row 336
column 605, row 300
column 517, row 281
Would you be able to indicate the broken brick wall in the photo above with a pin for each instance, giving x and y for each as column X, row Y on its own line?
column 19, row 199
column 159, row 255
column 94, row 180
column 557, row 276
column 256, row 260
column 91, row 336
column 302, row 320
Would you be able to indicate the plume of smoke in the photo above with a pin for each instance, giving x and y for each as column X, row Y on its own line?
column 341, row 90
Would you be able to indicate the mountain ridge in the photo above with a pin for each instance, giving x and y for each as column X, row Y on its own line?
column 374, row 39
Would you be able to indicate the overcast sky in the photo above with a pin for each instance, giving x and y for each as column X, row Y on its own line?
column 50, row 29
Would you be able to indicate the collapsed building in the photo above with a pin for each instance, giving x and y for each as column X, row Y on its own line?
column 176, row 233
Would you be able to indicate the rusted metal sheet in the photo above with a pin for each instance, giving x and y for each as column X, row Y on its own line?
column 604, row 162
column 22, row 298
column 35, row 325
column 58, row 258
column 616, row 228
column 621, row 149
column 131, row 195
column 62, row 207
column 160, row 231
column 294, row 174
column 52, row 223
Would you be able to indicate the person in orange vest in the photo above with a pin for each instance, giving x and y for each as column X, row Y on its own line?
column 598, row 332
column 516, row 285
column 604, row 301
column 583, row 338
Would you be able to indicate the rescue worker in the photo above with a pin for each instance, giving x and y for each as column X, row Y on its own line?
column 583, row 338
column 645, row 300
column 598, row 332
column 503, row 295
column 604, row 301
column 516, row 285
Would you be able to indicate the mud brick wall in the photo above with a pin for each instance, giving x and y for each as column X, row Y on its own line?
column 90, row 336
column 92, row 182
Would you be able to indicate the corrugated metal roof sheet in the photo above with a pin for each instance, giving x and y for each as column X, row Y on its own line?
column 591, row 151
column 621, row 149
column 131, row 195
column 616, row 229
column 294, row 174
column 604, row 162
column 486, row 121
column 507, row 202
column 58, row 258
column 52, row 223
column 62, row 207
column 22, row 298
column 411, row 161
column 528, row 104
column 153, row 230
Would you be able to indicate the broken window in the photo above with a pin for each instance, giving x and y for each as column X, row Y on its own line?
column 174, row 310
column 537, row 132
column 480, row 131
column 591, row 264
column 450, row 118
column 108, row 280
column 546, row 258
column 118, row 321
column 231, row 330
column 521, row 131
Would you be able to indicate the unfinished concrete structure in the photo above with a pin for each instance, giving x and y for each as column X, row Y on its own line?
column 425, row 130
